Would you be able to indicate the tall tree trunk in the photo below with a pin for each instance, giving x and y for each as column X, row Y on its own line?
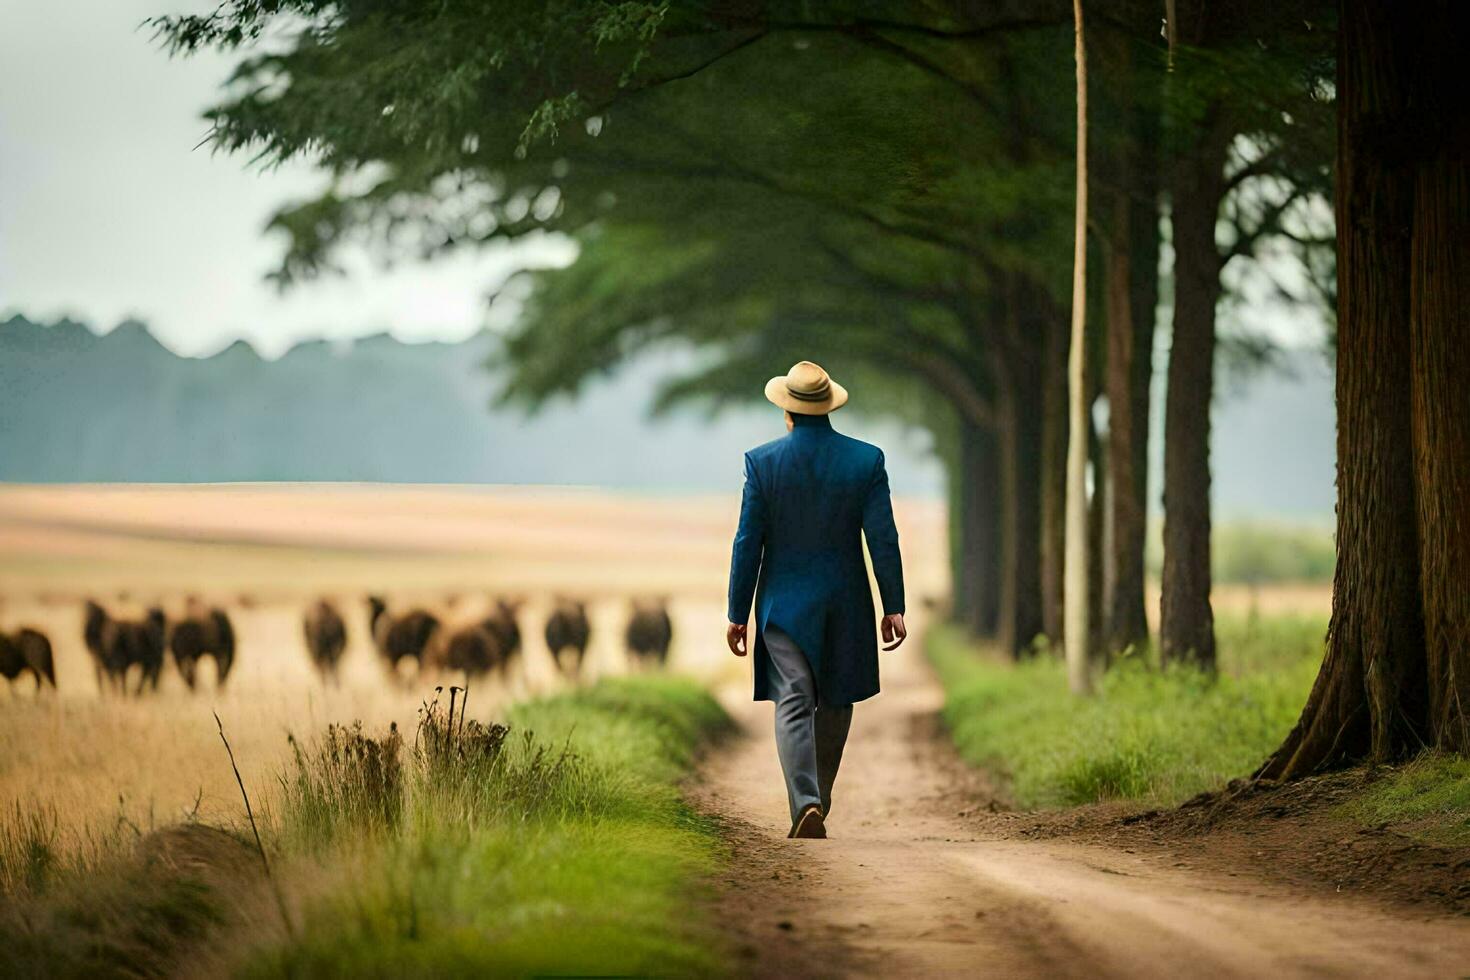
column 1130, row 313
column 961, row 571
column 1077, row 600
column 1019, row 411
column 977, row 544
column 1440, row 315
column 1124, row 163
column 1053, row 478
column 1128, row 613
column 1396, row 675
column 1187, row 621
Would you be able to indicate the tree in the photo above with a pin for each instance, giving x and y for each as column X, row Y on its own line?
column 1229, row 86
column 1077, row 592
column 1128, row 83
column 1396, row 675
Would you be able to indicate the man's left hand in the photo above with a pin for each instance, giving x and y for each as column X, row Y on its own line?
column 735, row 638
column 894, row 631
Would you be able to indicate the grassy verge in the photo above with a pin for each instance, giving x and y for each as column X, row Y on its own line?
column 560, row 845
column 1428, row 798
column 1153, row 735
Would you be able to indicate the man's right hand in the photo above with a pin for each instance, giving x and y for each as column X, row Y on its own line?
column 894, row 631
column 735, row 638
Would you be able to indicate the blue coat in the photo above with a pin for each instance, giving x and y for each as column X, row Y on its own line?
column 810, row 497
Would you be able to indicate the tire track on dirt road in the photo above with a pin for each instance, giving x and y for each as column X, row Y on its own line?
column 906, row 886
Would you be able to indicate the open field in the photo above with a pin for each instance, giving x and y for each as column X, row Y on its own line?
column 262, row 551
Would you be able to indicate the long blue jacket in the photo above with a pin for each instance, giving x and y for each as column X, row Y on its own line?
column 810, row 498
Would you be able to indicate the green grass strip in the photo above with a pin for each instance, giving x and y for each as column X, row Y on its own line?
column 574, row 854
column 1152, row 735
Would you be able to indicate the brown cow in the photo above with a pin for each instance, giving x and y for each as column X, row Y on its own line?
column 326, row 637
column 567, row 629
column 27, row 651
column 503, row 622
column 472, row 648
column 118, row 644
column 204, row 631
column 650, row 631
column 401, row 636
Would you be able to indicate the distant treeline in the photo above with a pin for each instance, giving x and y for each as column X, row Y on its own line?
column 120, row 407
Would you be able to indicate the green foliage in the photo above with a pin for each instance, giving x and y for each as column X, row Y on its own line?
column 1428, row 798
column 1149, row 734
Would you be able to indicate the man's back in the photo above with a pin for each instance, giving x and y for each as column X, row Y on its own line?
column 815, row 483
column 809, row 499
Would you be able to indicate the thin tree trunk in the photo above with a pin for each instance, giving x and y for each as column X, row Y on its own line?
column 1186, row 621
column 1076, row 628
column 1019, row 409
column 1053, row 479
column 961, row 571
column 1125, row 103
column 977, row 587
column 1129, row 370
column 1128, row 614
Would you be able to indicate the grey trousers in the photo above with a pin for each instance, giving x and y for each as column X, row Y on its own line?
column 809, row 736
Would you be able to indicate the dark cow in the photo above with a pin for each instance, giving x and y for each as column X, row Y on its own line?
column 503, row 623
column 650, row 631
column 474, row 649
column 567, row 629
column 205, row 631
column 96, row 619
column 326, row 637
column 400, row 637
column 117, row 644
column 27, row 651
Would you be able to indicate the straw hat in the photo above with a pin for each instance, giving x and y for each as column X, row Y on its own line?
column 806, row 390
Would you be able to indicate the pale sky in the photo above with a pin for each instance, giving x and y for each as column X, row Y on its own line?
column 107, row 210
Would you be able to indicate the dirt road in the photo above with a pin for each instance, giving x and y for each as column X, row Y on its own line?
column 917, row 880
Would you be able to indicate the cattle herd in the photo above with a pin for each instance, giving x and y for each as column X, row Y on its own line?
column 128, row 654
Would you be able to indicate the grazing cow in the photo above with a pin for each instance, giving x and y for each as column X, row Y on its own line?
column 204, row 631
column 117, row 645
column 502, row 622
column 400, row 637
column 650, row 631
column 96, row 620
column 326, row 637
column 474, row 649
column 567, row 629
column 27, row 651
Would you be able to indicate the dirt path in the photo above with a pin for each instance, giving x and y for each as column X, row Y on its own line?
column 913, row 883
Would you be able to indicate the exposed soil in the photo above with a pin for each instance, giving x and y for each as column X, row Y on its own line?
column 1292, row 832
column 927, row 872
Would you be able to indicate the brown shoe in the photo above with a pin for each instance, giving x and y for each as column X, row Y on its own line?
column 810, row 825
